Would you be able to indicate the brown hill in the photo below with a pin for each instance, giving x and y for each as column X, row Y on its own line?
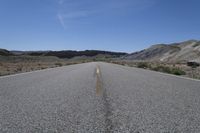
column 176, row 52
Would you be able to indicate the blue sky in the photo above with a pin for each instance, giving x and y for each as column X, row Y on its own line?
column 116, row 25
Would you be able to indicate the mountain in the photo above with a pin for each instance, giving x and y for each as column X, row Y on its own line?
column 5, row 52
column 176, row 52
column 71, row 54
column 63, row 54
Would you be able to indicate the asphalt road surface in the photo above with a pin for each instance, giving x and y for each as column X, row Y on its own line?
column 98, row 97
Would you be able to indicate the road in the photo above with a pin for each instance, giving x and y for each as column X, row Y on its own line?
column 98, row 97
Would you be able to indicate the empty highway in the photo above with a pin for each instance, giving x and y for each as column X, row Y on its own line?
column 98, row 98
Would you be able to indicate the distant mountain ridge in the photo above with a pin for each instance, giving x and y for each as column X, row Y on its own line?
column 5, row 52
column 62, row 54
column 176, row 52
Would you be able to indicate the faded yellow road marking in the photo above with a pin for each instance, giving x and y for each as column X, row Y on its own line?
column 98, row 81
column 98, row 71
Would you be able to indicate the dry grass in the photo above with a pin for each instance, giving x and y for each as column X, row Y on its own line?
column 13, row 68
column 13, row 65
column 171, row 68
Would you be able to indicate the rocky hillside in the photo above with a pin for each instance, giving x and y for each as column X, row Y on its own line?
column 176, row 52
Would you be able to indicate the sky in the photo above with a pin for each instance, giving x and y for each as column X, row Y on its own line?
column 113, row 25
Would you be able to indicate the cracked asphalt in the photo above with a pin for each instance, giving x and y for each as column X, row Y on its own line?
column 98, row 98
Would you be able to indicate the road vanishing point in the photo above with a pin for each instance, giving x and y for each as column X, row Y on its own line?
column 98, row 97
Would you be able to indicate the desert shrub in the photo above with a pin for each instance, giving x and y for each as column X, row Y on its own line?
column 142, row 65
column 19, row 68
column 196, row 45
column 58, row 64
column 177, row 71
column 170, row 70
column 44, row 67
column 161, row 68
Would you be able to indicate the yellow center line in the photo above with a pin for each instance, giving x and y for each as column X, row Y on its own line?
column 98, row 81
column 97, row 70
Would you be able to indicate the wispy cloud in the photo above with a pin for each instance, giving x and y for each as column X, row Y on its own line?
column 71, row 10
column 71, row 16
column 61, row 20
